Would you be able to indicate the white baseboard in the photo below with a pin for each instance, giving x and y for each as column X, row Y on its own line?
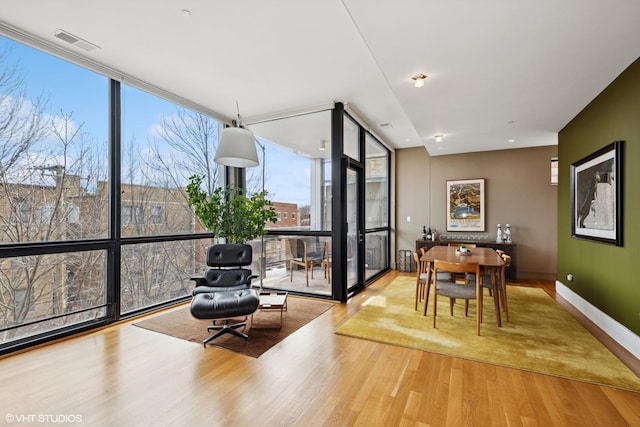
column 611, row 327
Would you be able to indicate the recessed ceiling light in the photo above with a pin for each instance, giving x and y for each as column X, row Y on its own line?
column 512, row 140
column 418, row 80
column 185, row 12
column 438, row 138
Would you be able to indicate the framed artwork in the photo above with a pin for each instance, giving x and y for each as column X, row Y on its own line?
column 465, row 205
column 596, row 196
column 554, row 171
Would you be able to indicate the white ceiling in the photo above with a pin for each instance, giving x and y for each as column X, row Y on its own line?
column 497, row 69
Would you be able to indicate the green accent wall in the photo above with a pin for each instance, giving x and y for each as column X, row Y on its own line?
column 605, row 275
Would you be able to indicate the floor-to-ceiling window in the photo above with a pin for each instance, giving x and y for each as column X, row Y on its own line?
column 297, row 161
column 82, row 242
column 163, row 144
column 53, row 140
column 376, row 212
column 94, row 221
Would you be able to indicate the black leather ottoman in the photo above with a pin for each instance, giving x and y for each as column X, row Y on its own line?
column 223, row 305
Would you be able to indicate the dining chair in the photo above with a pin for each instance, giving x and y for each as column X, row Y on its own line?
column 460, row 277
column 501, row 284
column 444, row 275
column 422, row 289
column 468, row 245
column 453, row 290
column 310, row 254
column 503, row 289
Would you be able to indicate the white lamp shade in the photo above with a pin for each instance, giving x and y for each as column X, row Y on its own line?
column 237, row 148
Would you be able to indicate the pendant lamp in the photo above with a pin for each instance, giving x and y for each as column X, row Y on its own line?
column 237, row 148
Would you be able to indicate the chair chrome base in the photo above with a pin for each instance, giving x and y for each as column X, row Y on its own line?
column 224, row 328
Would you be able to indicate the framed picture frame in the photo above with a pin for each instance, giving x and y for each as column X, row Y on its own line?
column 596, row 196
column 465, row 205
column 554, row 171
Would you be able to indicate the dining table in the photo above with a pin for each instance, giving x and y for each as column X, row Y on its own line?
column 488, row 259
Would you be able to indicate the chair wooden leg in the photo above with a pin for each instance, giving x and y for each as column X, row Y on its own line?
column 429, row 278
column 451, row 301
column 291, row 271
column 435, row 307
column 417, row 294
column 427, row 290
column 306, row 273
column 326, row 267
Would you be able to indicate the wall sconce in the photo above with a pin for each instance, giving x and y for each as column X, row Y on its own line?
column 418, row 80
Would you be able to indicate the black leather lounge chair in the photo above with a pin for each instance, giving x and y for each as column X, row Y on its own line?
column 224, row 291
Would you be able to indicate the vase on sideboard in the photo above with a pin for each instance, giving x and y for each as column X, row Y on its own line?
column 507, row 234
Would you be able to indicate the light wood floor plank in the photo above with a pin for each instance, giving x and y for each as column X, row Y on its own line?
column 127, row 376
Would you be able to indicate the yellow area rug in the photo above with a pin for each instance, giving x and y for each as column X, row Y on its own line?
column 541, row 336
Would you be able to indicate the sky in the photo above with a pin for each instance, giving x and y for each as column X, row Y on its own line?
column 72, row 89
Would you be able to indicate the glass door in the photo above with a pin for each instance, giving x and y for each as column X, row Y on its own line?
column 354, row 235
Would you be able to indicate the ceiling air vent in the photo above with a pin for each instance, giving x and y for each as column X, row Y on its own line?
column 76, row 41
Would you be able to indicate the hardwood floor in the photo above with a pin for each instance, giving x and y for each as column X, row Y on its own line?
column 128, row 376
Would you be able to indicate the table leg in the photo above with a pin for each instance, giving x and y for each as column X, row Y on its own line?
column 504, row 293
column 479, row 292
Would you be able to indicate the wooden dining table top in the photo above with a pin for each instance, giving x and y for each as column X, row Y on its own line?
column 486, row 257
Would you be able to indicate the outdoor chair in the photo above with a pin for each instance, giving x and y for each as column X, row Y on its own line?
column 310, row 254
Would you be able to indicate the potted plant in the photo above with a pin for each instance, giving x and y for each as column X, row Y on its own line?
column 229, row 213
column 463, row 248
